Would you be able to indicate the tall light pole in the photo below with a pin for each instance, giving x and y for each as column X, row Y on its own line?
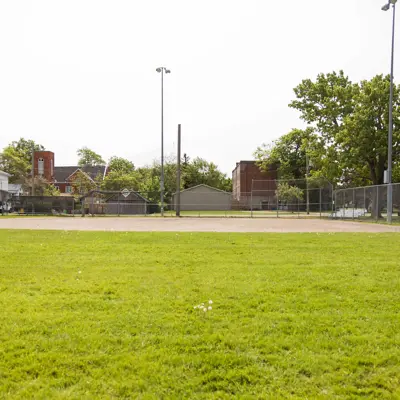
column 163, row 71
column 386, row 7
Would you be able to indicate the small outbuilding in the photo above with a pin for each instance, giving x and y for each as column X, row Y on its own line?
column 203, row 198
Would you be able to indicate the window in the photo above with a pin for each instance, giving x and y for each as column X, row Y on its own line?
column 41, row 166
column 68, row 189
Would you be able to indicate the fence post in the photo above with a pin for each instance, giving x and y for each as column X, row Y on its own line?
column 334, row 199
column 251, row 199
column 177, row 197
column 83, row 199
column 320, row 203
column 277, row 204
column 365, row 201
column 344, row 205
column 118, row 206
column 377, row 203
column 298, row 208
column 354, row 201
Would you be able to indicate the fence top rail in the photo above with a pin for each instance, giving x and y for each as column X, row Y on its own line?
column 365, row 187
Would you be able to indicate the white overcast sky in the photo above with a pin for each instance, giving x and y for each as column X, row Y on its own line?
column 82, row 72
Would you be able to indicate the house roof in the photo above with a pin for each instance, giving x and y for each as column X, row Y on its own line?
column 61, row 174
column 117, row 193
column 4, row 173
column 14, row 188
column 206, row 186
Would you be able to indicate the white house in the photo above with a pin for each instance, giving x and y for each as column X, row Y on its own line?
column 4, row 195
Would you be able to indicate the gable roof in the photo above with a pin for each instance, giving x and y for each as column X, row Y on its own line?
column 14, row 188
column 206, row 186
column 4, row 173
column 61, row 174
column 114, row 193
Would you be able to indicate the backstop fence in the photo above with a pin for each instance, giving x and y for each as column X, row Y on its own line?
column 291, row 197
column 368, row 202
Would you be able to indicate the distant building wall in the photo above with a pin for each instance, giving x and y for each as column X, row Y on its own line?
column 243, row 176
column 204, row 198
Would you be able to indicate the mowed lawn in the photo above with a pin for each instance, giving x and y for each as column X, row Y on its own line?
column 88, row 315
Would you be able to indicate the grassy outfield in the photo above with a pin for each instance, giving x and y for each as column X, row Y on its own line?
column 87, row 315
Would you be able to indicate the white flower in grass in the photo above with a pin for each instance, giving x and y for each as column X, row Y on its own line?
column 79, row 272
column 205, row 309
column 209, row 307
column 210, row 301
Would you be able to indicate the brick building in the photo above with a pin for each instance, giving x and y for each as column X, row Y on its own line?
column 253, row 188
column 62, row 177
column 44, row 165
column 65, row 176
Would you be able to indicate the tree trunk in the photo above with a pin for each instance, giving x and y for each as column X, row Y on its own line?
column 378, row 192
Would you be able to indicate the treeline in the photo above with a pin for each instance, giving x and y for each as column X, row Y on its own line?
column 346, row 141
column 16, row 159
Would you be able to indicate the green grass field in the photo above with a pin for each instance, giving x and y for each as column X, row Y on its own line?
column 87, row 315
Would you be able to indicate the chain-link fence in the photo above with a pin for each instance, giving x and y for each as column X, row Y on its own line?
column 369, row 202
column 46, row 205
column 292, row 198
column 123, row 202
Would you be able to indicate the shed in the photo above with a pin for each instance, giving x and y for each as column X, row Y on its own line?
column 125, row 202
column 204, row 198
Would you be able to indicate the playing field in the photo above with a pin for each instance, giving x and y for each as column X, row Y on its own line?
column 94, row 315
column 152, row 224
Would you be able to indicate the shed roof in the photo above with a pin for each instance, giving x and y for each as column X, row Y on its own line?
column 206, row 186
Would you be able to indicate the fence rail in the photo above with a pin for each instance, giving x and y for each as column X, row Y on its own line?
column 368, row 202
column 267, row 199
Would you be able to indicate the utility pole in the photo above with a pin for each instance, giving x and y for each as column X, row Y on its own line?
column 33, row 170
column 178, row 176
column 307, row 175
column 386, row 7
column 162, row 70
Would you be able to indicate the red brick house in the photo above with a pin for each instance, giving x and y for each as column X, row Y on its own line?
column 63, row 177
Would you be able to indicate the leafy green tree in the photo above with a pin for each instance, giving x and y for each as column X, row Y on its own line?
column 81, row 183
column 51, row 190
column 289, row 194
column 352, row 121
column 116, row 180
column 42, row 187
column 200, row 171
column 289, row 153
column 16, row 159
column 89, row 157
column 325, row 103
column 120, row 165
column 362, row 142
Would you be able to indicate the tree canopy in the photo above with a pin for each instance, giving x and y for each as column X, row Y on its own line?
column 346, row 138
column 88, row 157
column 16, row 159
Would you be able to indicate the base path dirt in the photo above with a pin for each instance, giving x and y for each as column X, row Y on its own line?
column 151, row 224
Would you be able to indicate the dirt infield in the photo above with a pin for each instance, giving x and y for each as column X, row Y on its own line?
column 191, row 225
